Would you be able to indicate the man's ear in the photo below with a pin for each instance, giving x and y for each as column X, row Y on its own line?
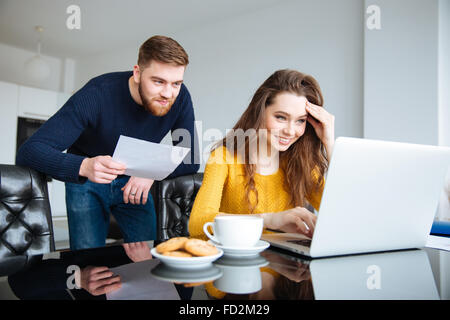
column 136, row 74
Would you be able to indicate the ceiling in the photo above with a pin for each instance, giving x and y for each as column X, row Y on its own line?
column 109, row 24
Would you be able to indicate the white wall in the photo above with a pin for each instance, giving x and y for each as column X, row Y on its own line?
column 444, row 98
column 12, row 61
column 444, row 73
column 401, row 72
column 119, row 60
column 230, row 59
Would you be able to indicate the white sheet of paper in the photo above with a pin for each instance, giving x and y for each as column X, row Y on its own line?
column 437, row 242
column 146, row 159
column 139, row 284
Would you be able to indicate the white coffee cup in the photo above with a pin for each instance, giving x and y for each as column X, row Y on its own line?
column 240, row 231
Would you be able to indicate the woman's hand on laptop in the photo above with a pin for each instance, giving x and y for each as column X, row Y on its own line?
column 295, row 220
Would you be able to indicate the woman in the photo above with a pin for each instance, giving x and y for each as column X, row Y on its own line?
column 286, row 117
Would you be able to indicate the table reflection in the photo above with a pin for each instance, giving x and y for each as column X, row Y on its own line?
column 395, row 275
column 271, row 274
column 240, row 275
column 188, row 277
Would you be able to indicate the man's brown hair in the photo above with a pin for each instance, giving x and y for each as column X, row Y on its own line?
column 162, row 49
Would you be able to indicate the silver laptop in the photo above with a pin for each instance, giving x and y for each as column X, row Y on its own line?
column 378, row 196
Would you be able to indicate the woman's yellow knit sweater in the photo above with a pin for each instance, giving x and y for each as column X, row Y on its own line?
column 223, row 191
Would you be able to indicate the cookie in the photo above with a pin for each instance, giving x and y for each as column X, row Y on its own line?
column 178, row 254
column 172, row 244
column 200, row 247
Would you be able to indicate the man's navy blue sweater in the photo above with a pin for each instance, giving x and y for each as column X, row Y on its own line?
column 91, row 121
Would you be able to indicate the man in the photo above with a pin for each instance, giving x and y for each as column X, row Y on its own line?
column 145, row 103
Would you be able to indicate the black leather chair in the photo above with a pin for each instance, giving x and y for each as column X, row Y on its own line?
column 26, row 229
column 173, row 203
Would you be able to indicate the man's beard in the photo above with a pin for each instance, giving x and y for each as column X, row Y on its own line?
column 153, row 106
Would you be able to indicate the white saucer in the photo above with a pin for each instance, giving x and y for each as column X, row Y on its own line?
column 254, row 261
column 260, row 246
column 186, row 263
column 170, row 274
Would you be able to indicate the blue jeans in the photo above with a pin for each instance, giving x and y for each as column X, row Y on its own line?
column 89, row 206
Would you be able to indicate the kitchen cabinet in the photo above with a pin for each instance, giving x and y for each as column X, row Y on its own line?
column 9, row 93
column 57, row 196
column 37, row 103
column 20, row 101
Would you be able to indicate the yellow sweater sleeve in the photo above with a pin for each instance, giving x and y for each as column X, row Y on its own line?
column 208, row 199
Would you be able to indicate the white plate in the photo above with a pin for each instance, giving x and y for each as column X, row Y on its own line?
column 186, row 263
column 167, row 273
column 241, row 262
column 260, row 246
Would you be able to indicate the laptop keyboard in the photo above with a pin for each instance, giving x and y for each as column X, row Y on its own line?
column 305, row 243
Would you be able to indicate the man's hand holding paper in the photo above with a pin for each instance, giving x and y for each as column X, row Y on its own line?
column 145, row 162
column 148, row 160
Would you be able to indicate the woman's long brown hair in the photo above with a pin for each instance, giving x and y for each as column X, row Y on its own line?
column 305, row 155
